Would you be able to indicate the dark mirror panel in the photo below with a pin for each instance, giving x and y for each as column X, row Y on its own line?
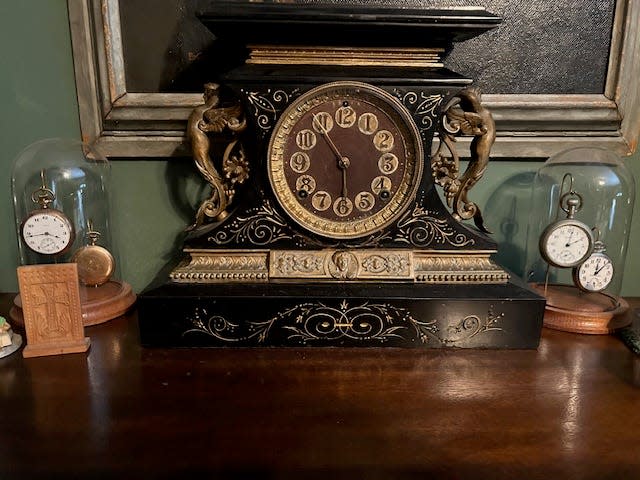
column 541, row 46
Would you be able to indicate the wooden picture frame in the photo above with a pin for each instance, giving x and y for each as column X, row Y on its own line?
column 123, row 123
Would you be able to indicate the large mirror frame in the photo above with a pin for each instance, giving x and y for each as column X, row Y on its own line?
column 143, row 125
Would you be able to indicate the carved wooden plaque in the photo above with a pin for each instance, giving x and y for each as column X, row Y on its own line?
column 52, row 312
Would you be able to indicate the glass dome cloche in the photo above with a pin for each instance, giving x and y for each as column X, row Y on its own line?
column 578, row 233
column 61, row 190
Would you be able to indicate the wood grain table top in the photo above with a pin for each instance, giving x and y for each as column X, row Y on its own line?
column 570, row 409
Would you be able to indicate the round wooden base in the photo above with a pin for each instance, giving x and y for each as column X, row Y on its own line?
column 572, row 310
column 99, row 304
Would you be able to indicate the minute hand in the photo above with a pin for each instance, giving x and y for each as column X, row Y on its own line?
column 325, row 134
column 343, row 162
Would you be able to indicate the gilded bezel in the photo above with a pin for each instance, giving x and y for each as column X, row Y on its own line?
column 398, row 202
column 544, row 242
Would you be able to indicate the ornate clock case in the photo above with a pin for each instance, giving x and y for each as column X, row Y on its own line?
column 324, row 225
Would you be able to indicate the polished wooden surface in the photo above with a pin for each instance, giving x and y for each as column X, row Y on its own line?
column 569, row 410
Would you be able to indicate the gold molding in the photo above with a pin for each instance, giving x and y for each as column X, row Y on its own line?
column 346, row 56
column 255, row 266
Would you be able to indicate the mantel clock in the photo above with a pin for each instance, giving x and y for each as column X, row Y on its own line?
column 324, row 225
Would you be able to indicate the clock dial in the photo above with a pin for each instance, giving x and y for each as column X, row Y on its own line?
column 345, row 160
column 566, row 243
column 48, row 232
column 595, row 273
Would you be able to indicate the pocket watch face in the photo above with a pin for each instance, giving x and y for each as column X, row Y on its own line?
column 566, row 243
column 47, row 231
column 595, row 273
column 345, row 160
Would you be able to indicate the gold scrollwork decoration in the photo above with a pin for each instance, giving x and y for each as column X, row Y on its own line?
column 208, row 118
column 463, row 114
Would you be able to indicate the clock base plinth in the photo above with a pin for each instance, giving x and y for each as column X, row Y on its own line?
column 98, row 304
column 571, row 310
column 341, row 314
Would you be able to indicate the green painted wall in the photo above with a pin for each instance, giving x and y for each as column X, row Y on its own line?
column 153, row 200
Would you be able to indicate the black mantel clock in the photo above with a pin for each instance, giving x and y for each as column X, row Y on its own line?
column 324, row 225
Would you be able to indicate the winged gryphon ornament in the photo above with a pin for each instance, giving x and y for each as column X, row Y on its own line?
column 212, row 117
column 463, row 114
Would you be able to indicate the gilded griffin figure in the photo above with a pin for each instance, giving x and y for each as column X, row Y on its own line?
column 463, row 114
column 213, row 118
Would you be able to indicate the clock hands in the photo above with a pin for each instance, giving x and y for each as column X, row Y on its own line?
column 598, row 270
column 42, row 234
column 343, row 161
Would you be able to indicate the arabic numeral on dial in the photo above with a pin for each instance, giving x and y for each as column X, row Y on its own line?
column 365, row 201
column 322, row 122
column 383, row 140
column 306, row 183
column 388, row 163
column 321, row 200
column 380, row 185
column 346, row 117
column 299, row 162
column 306, row 139
column 368, row 123
column 342, row 206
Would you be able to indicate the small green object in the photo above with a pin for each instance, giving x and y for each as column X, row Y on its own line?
column 2, row 321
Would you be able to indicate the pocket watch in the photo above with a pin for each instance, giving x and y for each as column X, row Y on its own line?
column 46, row 231
column 596, row 272
column 567, row 243
column 95, row 263
column 345, row 159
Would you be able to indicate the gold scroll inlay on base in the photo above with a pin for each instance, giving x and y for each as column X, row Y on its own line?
column 252, row 266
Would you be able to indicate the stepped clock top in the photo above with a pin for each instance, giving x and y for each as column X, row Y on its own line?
column 363, row 25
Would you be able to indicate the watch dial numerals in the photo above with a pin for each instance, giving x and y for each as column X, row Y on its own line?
column 368, row 123
column 47, row 233
column 383, row 141
column 388, row 163
column 595, row 274
column 365, row 201
column 321, row 200
column 322, row 122
column 342, row 207
column 306, row 184
column 306, row 139
column 567, row 244
column 346, row 116
column 300, row 162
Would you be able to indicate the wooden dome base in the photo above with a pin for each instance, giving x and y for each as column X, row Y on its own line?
column 99, row 304
column 571, row 310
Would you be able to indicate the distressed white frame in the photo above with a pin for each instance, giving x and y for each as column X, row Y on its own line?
column 137, row 125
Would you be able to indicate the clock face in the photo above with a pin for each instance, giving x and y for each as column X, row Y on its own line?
column 47, row 231
column 566, row 243
column 595, row 273
column 345, row 160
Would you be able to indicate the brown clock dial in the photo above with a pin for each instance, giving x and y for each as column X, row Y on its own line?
column 345, row 160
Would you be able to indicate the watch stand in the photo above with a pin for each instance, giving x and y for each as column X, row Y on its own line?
column 61, row 200
column 383, row 262
column 582, row 278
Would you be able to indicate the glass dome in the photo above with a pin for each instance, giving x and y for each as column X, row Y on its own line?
column 581, row 209
column 77, row 178
column 61, row 190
